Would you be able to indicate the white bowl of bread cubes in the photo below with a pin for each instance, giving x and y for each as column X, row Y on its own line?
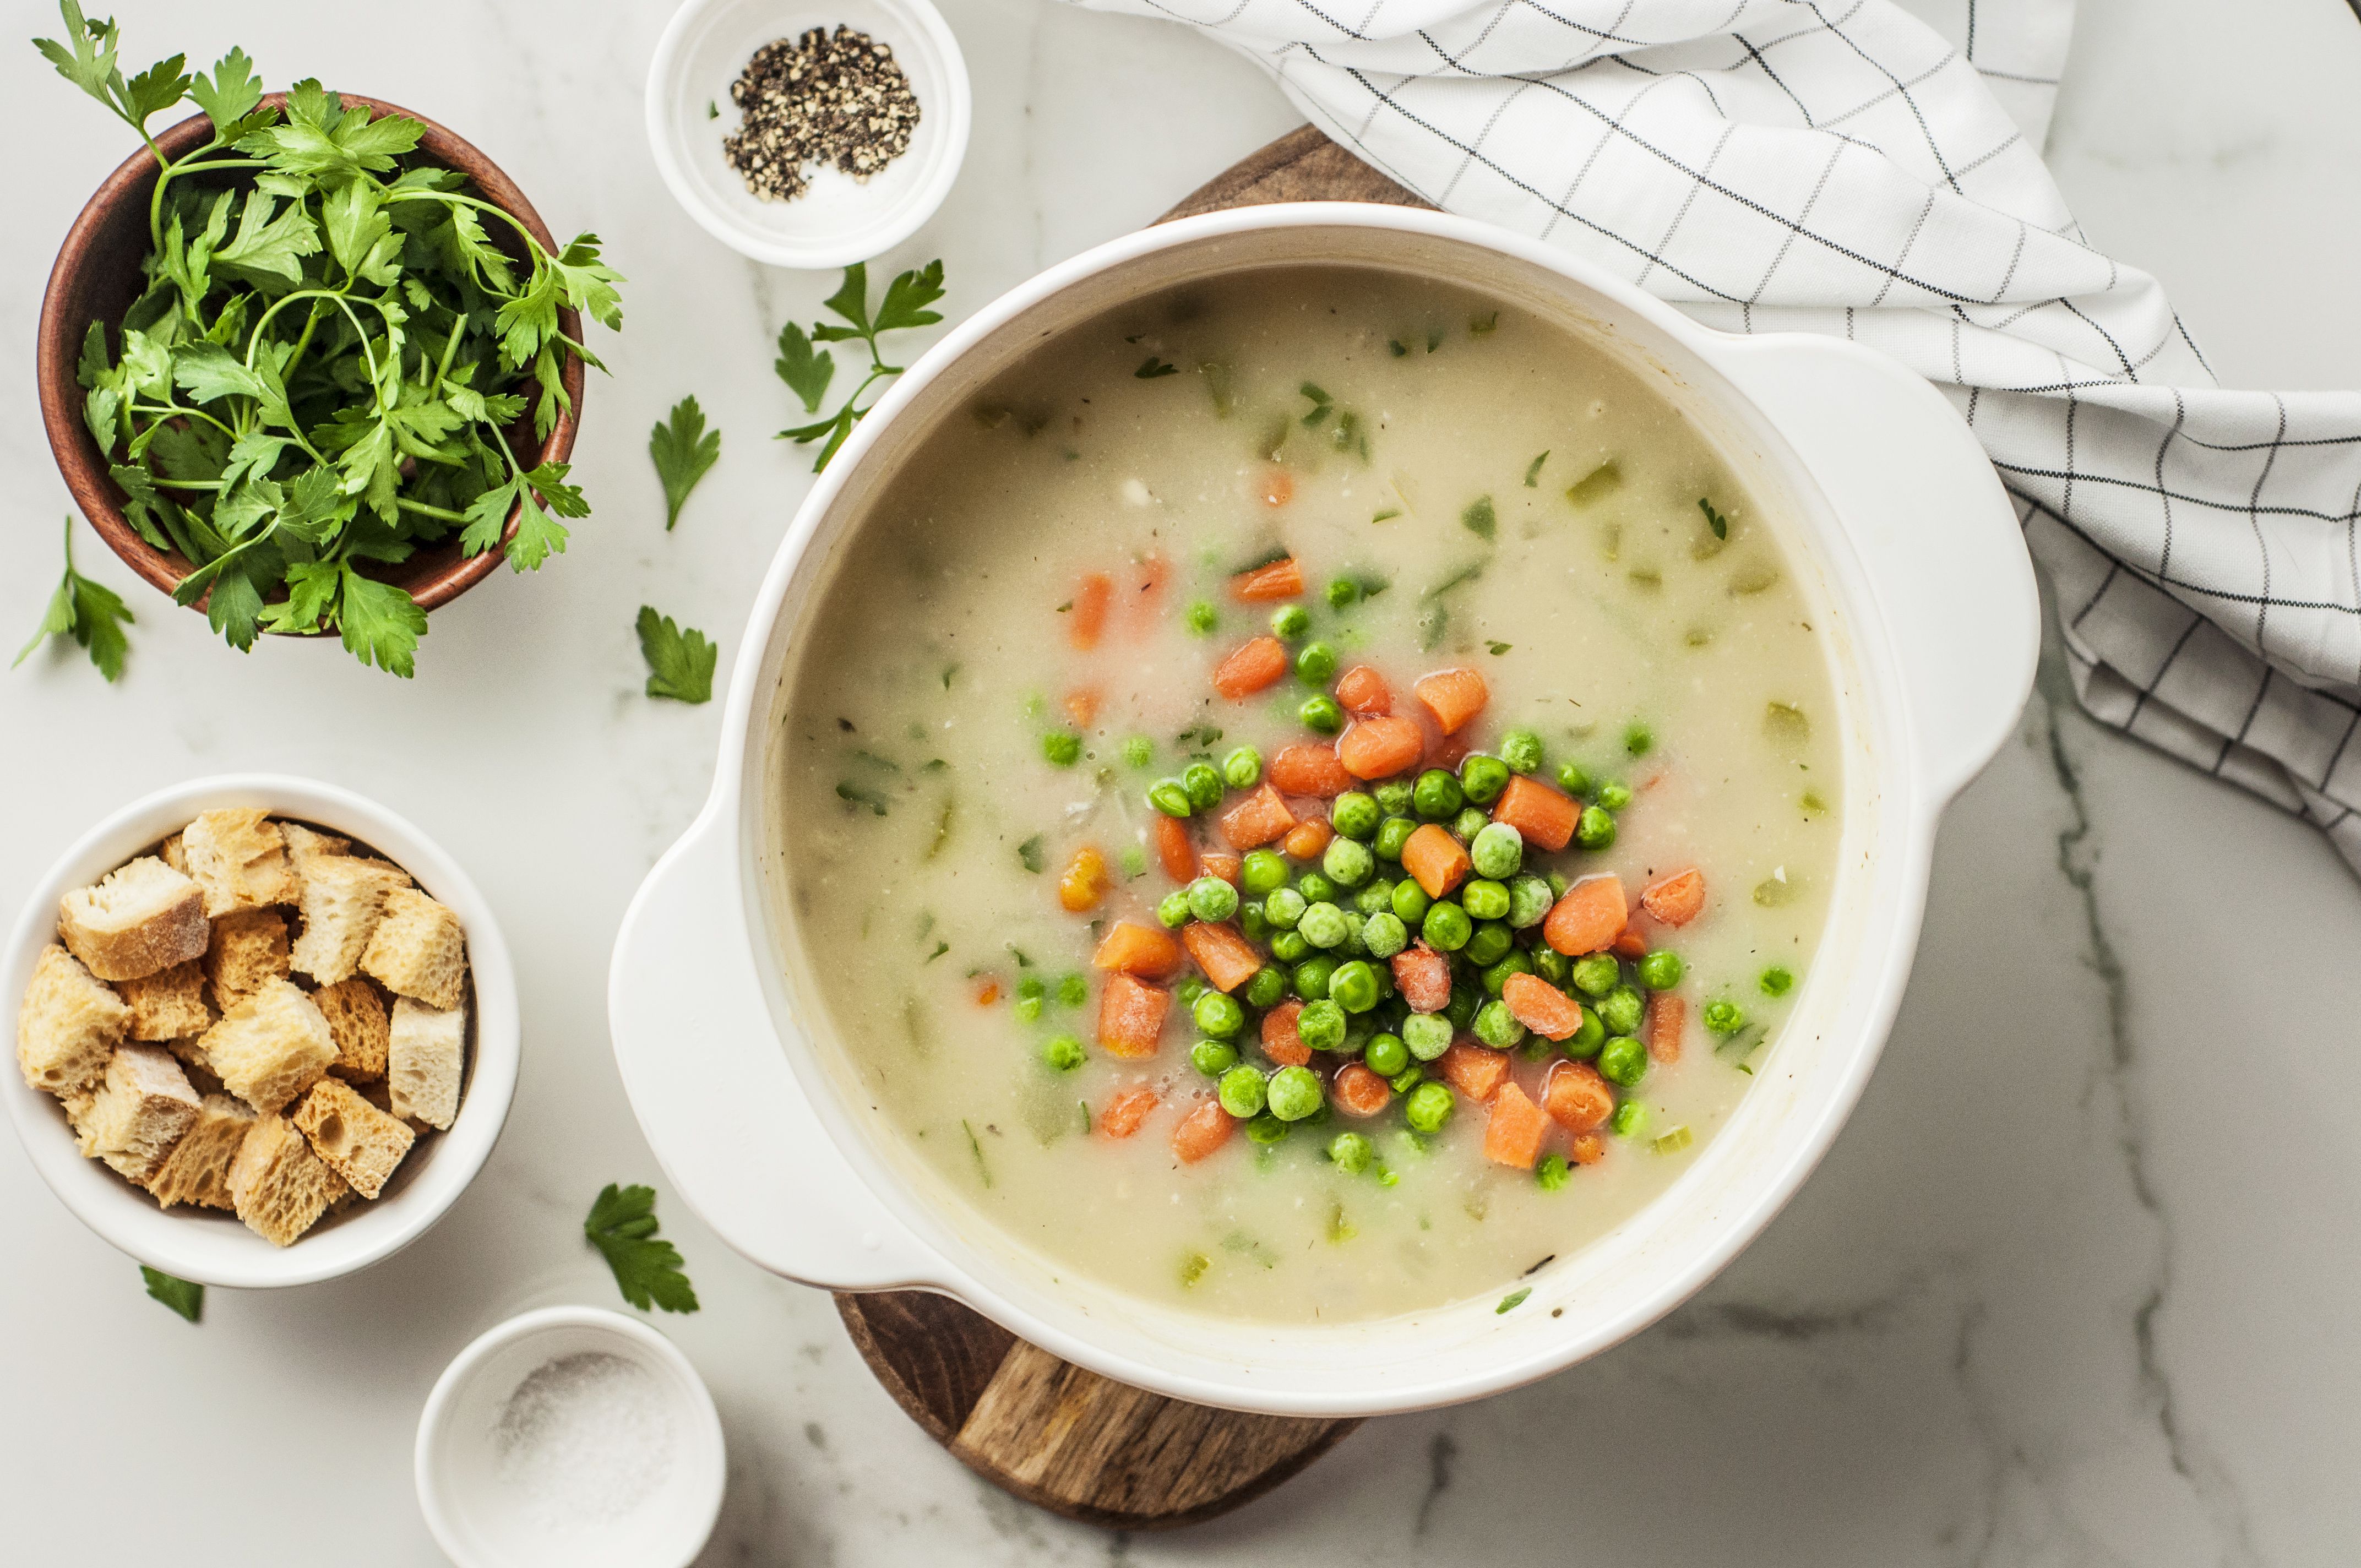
column 265, row 1030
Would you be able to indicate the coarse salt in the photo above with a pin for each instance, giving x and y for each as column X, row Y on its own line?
column 584, row 1439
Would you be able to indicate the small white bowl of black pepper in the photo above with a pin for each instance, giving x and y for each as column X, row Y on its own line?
column 809, row 135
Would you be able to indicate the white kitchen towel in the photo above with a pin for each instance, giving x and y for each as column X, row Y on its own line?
column 1848, row 167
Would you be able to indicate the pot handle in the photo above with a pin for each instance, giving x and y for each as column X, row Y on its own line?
column 711, row 1086
column 1936, row 533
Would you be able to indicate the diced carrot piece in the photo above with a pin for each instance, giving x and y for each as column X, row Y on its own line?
column 1513, row 1134
column 1173, row 848
column 1090, row 611
column 1135, row 949
column 987, row 992
column 1668, row 1015
column 1201, row 1131
column 1084, row 880
column 1677, row 900
column 1218, row 865
column 1360, row 1092
column 1281, row 1041
column 1476, row 1071
column 1423, row 978
column 1363, row 692
column 1589, row 917
column 1126, row 1110
column 1587, row 1149
column 1282, row 579
column 1228, row 960
column 1308, row 837
column 1252, row 822
column 1145, row 591
column 1306, row 768
column 1541, row 1006
column 1436, row 858
column 1447, row 752
column 1577, row 1098
column 1453, row 697
column 1131, row 1015
column 1630, row 945
column 1275, row 487
column 1380, row 748
column 1251, row 668
column 1082, row 706
column 1542, row 816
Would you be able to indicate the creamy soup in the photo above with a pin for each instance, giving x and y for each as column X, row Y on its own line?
column 1371, row 509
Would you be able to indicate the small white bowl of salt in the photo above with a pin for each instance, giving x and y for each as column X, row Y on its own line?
column 570, row 1435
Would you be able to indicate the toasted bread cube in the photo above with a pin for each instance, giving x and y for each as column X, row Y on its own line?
column 271, row 1046
column 424, row 1060
column 343, row 897
column 68, row 1026
column 139, row 918
column 239, row 857
column 277, row 1184
column 356, row 1018
column 247, row 950
column 419, row 950
column 173, row 854
column 305, row 844
column 196, row 1065
column 142, row 1108
column 197, row 1171
column 359, row 1141
column 169, row 1004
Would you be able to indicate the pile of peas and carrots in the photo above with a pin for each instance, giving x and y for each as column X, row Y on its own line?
column 1389, row 918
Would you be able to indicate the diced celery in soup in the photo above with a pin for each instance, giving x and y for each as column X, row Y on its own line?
column 1111, row 648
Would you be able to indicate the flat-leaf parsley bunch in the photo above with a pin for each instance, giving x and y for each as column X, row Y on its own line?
column 322, row 368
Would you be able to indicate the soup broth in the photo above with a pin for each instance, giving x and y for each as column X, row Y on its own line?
column 1020, row 643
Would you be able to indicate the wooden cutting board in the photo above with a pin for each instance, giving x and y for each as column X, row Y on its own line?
column 1040, row 1428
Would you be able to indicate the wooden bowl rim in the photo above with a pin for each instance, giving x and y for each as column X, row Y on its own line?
column 86, row 469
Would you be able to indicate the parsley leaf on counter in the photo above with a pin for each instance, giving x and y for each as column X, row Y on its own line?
column 183, row 1295
column 807, row 370
column 623, row 1226
column 684, row 452
column 680, row 663
column 92, row 615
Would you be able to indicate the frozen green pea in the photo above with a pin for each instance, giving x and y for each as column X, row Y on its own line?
column 1426, row 1036
column 1241, row 769
column 1204, row 784
column 1062, row 1052
column 1354, row 921
column 1437, row 795
column 1446, row 928
column 1410, row 901
column 1529, row 902
column 1409, row 1078
column 1203, row 618
column 1572, row 779
column 1289, row 947
column 1623, row 1061
column 1311, row 976
column 1724, row 1017
column 1354, row 815
column 1341, row 591
column 1351, row 1153
column 1170, row 796
column 1662, row 969
column 1489, row 944
column 1392, row 834
column 1354, row 988
column 1211, row 898
column 1484, row 899
column 1139, row 751
column 1252, row 922
column 1427, row 1108
column 1376, row 896
column 1467, row 824
column 1321, row 714
column 1385, row 934
column 1482, row 778
column 1074, row 991
column 1218, row 1015
column 1267, row 988
column 1548, row 963
column 1283, row 908
column 1062, row 748
column 1498, row 849
column 1621, row 1009
column 1497, row 1027
column 1173, row 908
column 1394, row 796
column 1315, row 888
column 1630, row 1119
column 1595, row 829
column 1347, row 861
column 1638, row 738
column 1268, row 1129
column 1776, row 981
column 1290, row 621
column 1242, row 1091
column 1596, row 974
column 1460, row 1011
column 1521, row 750
column 1316, row 666
column 1213, row 1057
column 1495, row 978
column 1614, row 794
column 1191, row 988
column 1385, row 1055
column 1262, row 872
column 1322, row 925
column 1584, row 1043
column 1295, row 1092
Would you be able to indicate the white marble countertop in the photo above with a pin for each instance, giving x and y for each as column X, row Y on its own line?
column 2075, row 1285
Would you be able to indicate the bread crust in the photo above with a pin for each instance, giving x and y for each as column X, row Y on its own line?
column 271, row 1046
column 240, row 857
column 169, row 1004
column 68, row 1026
column 279, row 1187
column 360, row 1142
column 140, row 918
column 419, row 950
column 197, row 1171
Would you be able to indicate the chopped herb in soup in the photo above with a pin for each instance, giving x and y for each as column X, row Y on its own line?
column 1316, row 801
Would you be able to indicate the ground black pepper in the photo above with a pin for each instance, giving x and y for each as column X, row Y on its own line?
column 818, row 99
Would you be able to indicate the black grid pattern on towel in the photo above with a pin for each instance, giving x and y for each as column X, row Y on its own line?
column 1844, row 167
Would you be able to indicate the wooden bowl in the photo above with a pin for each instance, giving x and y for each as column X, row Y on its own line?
column 97, row 277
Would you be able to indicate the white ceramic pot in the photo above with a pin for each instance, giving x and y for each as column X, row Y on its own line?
column 206, row 1245
column 1907, row 547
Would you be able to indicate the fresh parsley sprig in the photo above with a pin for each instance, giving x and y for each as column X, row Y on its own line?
column 807, row 370
column 320, row 373
column 623, row 1226
column 90, row 613
column 683, row 451
column 680, row 663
